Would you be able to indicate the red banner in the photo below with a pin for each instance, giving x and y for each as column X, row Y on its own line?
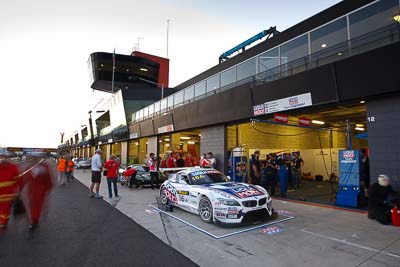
column 304, row 122
column 281, row 118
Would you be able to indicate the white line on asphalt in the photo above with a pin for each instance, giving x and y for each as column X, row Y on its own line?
column 344, row 241
column 226, row 235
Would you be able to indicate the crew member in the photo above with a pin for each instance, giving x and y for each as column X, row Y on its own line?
column 70, row 170
column 9, row 185
column 62, row 168
column 255, row 169
column 298, row 163
column 272, row 174
column 112, row 174
column 151, row 163
column 39, row 181
column 283, row 176
column 378, row 195
column 204, row 161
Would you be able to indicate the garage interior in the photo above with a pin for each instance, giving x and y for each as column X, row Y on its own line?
column 318, row 145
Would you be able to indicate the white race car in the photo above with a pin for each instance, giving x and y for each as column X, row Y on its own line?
column 210, row 194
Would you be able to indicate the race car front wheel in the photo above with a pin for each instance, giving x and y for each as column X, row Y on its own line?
column 205, row 210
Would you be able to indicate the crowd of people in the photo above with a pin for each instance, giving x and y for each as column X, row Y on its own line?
column 177, row 160
column 275, row 171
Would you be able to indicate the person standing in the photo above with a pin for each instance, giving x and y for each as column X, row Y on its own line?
column 180, row 163
column 70, row 170
column 204, row 161
column 9, row 185
column 189, row 162
column 39, row 181
column 61, row 169
column 272, row 174
column 212, row 161
column 283, row 176
column 365, row 169
column 171, row 160
column 96, row 174
column 298, row 163
column 151, row 163
column 255, row 169
column 112, row 168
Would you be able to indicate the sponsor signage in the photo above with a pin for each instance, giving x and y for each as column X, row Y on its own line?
column 271, row 230
column 134, row 135
column 166, row 129
column 259, row 110
column 283, row 118
column 288, row 103
column 304, row 122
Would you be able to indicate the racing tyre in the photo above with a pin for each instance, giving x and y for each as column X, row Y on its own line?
column 163, row 197
column 206, row 210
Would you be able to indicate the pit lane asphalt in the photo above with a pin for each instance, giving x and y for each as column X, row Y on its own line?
column 78, row 231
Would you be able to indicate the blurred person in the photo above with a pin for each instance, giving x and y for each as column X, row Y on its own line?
column 163, row 163
column 112, row 174
column 204, row 161
column 131, row 174
column 378, row 199
column 70, row 170
column 255, row 169
column 10, row 183
column 61, row 169
column 272, row 174
column 152, row 163
column 189, row 161
column 212, row 161
column 365, row 173
column 180, row 163
column 39, row 181
column 97, row 165
column 283, row 176
column 171, row 160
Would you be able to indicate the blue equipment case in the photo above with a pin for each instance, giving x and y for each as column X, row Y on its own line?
column 349, row 178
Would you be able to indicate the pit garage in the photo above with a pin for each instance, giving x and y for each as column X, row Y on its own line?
column 316, row 135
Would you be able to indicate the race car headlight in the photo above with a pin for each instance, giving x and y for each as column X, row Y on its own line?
column 229, row 202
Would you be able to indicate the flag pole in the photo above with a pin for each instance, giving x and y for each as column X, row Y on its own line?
column 113, row 72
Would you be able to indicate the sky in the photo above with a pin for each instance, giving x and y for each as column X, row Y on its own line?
column 45, row 45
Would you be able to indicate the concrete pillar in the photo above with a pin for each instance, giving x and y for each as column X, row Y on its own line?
column 152, row 145
column 383, row 120
column 124, row 153
column 213, row 140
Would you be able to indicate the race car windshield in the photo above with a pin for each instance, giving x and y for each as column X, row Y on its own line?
column 207, row 177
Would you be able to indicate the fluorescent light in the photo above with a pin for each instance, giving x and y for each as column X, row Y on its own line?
column 167, row 144
column 323, row 45
column 339, row 54
column 359, row 125
column 318, row 122
column 359, row 129
column 200, row 135
column 160, row 141
column 362, row 101
column 185, row 138
column 397, row 18
column 166, row 139
column 143, row 69
column 191, row 142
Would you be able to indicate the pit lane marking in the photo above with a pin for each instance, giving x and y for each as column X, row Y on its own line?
column 344, row 241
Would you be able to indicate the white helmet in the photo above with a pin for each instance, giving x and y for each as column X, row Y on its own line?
column 383, row 180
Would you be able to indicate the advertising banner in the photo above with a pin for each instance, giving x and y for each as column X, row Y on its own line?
column 166, row 129
column 304, row 122
column 259, row 110
column 288, row 103
column 283, row 118
column 349, row 178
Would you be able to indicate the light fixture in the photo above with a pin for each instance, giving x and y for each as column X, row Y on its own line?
column 185, row 138
column 166, row 139
column 147, row 143
column 318, row 122
column 323, row 45
column 359, row 129
column 167, row 145
column 339, row 54
column 397, row 18
column 191, row 142
column 137, row 143
column 102, row 65
column 143, row 69
column 200, row 135
column 127, row 70
column 160, row 141
column 362, row 101
column 359, row 125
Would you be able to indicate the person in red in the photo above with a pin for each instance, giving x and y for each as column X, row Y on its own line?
column 131, row 175
column 189, row 162
column 39, row 180
column 112, row 174
column 171, row 161
column 163, row 163
column 9, row 185
column 204, row 163
column 70, row 170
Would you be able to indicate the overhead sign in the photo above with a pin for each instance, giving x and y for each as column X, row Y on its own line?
column 283, row 118
column 288, row 103
column 166, row 129
column 134, row 135
column 304, row 122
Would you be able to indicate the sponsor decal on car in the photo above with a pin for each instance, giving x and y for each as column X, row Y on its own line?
column 237, row 190
column 185, row 193
column 170, row 193
column 220, row 214
column 232, row 210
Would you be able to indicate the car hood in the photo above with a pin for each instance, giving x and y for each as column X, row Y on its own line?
column 237, row 190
